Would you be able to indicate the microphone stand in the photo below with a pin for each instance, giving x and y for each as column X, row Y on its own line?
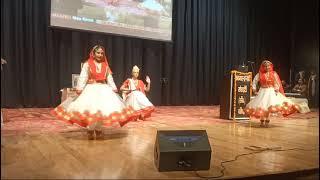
column 252, row 65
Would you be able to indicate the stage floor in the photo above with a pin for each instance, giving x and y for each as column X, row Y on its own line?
column 37, row 146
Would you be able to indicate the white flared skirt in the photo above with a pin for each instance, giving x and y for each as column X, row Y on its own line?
column 97, row 102
column 267, row 97
column 268, row 101
column 140, row 103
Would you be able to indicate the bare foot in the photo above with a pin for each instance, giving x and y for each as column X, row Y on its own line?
column 261, row 123
column 99, row 134
column 267, row 123
column 90, row 135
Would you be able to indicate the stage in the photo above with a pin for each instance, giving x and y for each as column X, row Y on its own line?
column 37, row 146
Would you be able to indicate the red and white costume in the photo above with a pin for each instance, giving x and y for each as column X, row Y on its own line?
column 267, row 99
column 137, row 98
column 98, row 104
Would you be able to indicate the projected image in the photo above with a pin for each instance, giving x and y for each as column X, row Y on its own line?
column 142, row 18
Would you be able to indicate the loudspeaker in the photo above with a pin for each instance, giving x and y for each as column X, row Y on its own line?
column 182, row 150
column 225, row 89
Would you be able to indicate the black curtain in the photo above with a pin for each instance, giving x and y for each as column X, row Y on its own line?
column 210, row 37
column 304, row 51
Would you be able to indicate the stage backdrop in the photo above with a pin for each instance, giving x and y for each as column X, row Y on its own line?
column 209, row 38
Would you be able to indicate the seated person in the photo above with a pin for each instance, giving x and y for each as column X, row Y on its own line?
column 300, row 88
column 286, row 86
column 313, row 86
column 134, row 95
column 301, row 75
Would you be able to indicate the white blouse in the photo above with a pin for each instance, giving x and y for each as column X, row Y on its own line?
column 257, row 78
column 84, row 76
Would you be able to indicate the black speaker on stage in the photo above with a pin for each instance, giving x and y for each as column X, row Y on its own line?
column 182, row 150
column 225, row 102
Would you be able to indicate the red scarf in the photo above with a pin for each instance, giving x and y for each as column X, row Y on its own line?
column 141, row 86
column 273, row 77
column 99, row 76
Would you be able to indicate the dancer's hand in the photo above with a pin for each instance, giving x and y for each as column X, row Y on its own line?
column 254, row 92
column 125, row 89
column 115, row 90
column 78, row 92
column 148, row 80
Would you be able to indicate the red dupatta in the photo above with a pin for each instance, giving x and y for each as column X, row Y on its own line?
column 99, row 76
column 272, row 78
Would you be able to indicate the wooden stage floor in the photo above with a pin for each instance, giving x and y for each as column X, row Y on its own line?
column 37, row 146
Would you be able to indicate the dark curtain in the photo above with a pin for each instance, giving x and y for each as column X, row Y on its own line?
column 304, row 51
column 210, row 37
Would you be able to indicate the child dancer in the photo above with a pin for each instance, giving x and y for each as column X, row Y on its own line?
column 97, row 103
column 134, row 95
column 270, row 98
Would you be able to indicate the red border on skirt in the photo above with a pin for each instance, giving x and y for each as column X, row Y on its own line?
column 86, row 119
column 285, row 109
column 144, row 113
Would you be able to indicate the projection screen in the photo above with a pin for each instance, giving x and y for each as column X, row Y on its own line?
column 150, row 19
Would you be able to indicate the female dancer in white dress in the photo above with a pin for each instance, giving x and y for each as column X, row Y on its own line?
column 97, row 103
column 270, row 98
column 134, row 95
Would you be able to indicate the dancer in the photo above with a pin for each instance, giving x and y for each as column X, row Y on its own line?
column 97, row 103
column 270, row 98
column 134, row 95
